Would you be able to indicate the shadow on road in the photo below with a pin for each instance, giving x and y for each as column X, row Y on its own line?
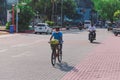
column 65, row 67
column 118, row 36
column 96, row 42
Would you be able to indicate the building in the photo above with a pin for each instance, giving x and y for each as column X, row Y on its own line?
column 85, row 9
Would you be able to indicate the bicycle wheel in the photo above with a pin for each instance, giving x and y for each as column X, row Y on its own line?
column 53, row 58
column 60, row 56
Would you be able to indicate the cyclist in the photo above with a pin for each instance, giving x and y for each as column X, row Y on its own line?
column 92, row 28
column 57, row 34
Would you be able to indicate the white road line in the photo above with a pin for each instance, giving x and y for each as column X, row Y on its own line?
column 27, row 44
column 19, row 45
column 8, row 35
column 3, row 50
column 35, row 42
column 22, row 54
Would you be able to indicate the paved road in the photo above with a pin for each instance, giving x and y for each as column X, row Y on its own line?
column 27, row 56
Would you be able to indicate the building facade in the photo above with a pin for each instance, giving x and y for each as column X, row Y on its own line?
column 84, row 8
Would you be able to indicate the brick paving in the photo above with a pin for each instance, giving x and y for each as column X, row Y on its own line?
column 103, row 63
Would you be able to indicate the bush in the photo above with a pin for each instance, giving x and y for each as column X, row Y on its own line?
column 8, row 25
column 50, row 23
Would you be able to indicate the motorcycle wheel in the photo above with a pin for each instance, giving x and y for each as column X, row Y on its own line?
column 91, row 39
column 115, row 34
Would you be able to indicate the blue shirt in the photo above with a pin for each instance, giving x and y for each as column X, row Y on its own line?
column 58, row 36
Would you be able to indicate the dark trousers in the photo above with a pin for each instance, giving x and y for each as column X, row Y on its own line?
column 94, row 34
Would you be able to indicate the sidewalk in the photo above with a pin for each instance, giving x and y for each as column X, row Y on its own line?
column 3, row 31
column 102, row 64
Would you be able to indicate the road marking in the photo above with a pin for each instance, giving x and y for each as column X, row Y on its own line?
column 28, row 44
column 19, row 45
column 8, row 35
column 35, row 42
column 3, row 50
column 22, row 54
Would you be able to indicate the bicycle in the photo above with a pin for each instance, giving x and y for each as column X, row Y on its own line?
column 56, row 53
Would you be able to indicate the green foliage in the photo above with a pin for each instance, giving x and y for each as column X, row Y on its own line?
column 106, row 8
column 117, row 14
column 69, row 8
column 46, row 7
column 24, row 17
column 8, row 25
column 50, row 23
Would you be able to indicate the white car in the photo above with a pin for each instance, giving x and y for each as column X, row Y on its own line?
column 87, row 23
column 42, row 28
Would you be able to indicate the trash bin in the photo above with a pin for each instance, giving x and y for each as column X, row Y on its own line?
column 11, row 29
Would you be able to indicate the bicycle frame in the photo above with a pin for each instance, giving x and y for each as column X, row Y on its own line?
column 56, row 52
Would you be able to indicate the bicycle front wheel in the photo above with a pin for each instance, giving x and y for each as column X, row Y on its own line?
column 53, row 58
column 60, row 56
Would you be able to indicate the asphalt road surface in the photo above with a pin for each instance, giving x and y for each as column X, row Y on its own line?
column 27, row 56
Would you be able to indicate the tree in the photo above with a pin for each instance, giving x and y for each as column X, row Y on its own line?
column 71, row 10
column 45, row 7
column 106, row 8
column 25, row 16
column 51, row 9
column 117, row 14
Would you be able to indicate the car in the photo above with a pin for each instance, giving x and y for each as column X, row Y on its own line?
column 98, row 24
column 42, row 28
column 116, row 30
column 111, row 26
column 87, row 23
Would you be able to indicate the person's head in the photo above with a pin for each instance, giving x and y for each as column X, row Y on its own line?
column 57, row 29
column 92, row 24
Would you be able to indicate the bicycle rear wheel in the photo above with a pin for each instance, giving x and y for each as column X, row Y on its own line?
column 60, row 56
column 53, row 58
